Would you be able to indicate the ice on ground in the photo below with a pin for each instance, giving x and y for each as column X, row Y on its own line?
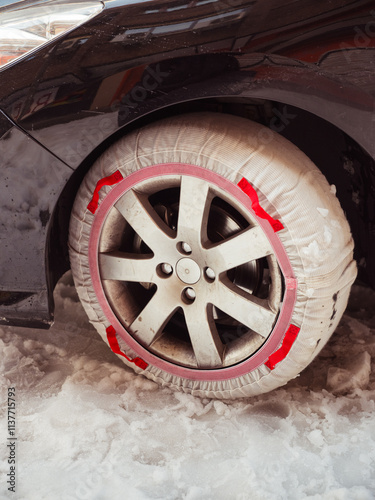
column 89, row 428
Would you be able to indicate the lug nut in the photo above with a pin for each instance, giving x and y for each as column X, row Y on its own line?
column 210, row 274
column 189, row 294
column 166, row 269
column 185, row 248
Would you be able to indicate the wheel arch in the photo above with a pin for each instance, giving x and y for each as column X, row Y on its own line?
column 294, row 94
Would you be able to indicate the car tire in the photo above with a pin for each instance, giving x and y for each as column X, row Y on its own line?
column 211, row 255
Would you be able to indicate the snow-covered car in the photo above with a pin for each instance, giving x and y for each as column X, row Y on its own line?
column 205, row 168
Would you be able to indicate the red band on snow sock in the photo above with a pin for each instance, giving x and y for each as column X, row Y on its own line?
column 282, row 352
column 106, row 181
column 248, row 189
column 112, row 340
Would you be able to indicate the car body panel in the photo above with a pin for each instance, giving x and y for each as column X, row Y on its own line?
column 31, row 180
column 137, row 59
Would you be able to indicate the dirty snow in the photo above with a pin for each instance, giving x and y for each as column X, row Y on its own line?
column 88, row 428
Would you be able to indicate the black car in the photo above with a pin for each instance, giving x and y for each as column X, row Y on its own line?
column 204, row 167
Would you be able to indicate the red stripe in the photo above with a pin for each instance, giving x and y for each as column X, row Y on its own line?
column 248, row 189
column 105, row 181
column 282, row 352
column 112, row 340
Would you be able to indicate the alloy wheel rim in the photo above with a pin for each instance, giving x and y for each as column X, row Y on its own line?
column 189, row 272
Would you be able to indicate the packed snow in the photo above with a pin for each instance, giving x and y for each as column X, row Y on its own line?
column 89, row 428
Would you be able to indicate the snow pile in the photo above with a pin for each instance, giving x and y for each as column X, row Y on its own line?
column 89, row 428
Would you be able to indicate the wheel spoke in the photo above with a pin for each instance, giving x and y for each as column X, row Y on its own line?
column 127, row 267
column 251, row 312
column 193, row 211
column 207, row 346
column 139, row 213
column 149, row 324
column 275, row 295
column 250, row 244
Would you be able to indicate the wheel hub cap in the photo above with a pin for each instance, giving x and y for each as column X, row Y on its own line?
column 188, row 271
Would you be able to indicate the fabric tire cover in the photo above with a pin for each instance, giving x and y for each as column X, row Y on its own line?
column 316, row 235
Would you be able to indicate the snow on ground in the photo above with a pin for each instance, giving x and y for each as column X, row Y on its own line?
column 88, row 428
